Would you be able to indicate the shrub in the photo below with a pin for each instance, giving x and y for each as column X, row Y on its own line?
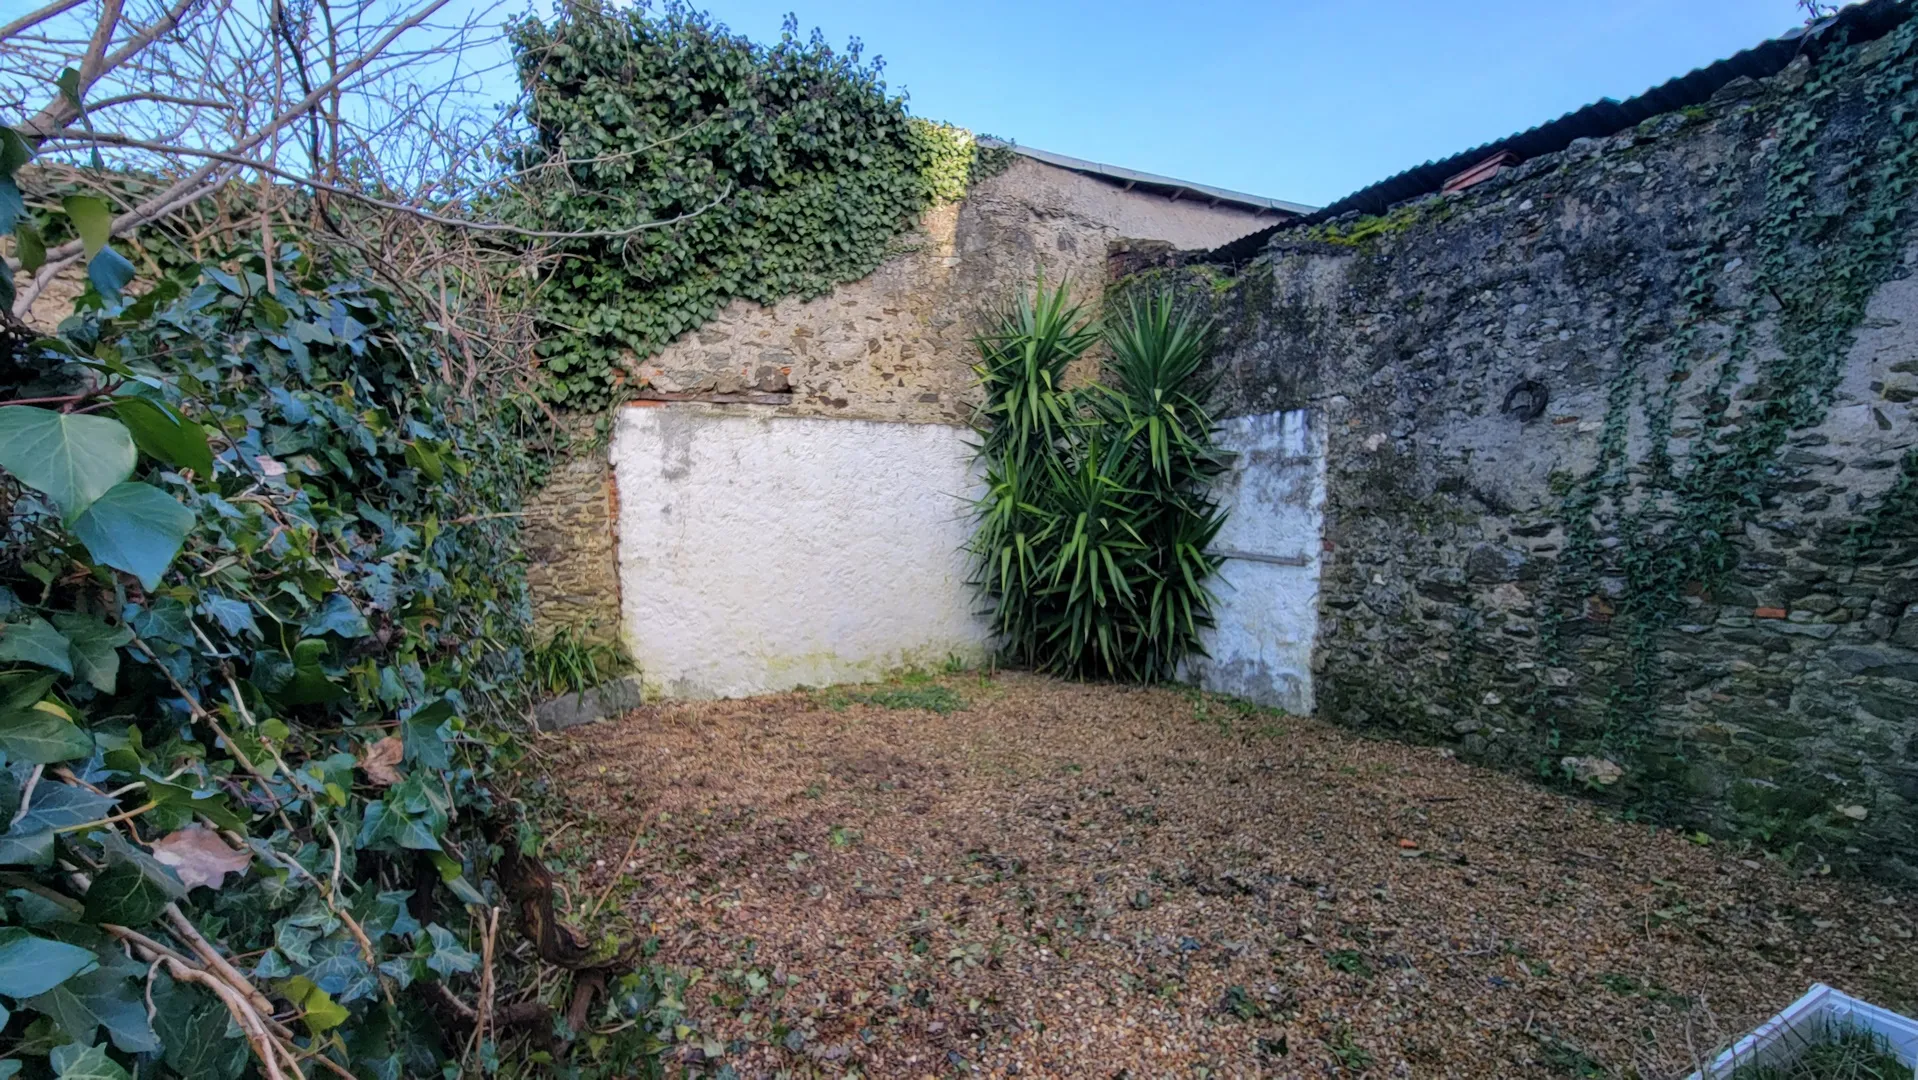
column 263, row 623
column 1091, row 548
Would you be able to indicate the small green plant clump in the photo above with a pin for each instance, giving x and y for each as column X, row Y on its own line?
column 1092, row 542
column 571, row 661
column 908, row 693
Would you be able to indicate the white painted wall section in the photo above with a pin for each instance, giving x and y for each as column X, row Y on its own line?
column 1268, row 590
column 760, row 553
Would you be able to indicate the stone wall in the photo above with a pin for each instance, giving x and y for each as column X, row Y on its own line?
column 895, row 345
column 1622, row 476
column 572, row 564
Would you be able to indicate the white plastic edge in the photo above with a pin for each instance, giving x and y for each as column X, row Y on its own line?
column 1776, row 1040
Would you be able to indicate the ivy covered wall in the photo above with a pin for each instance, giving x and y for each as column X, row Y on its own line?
column 894, row 345
column 1623, row 486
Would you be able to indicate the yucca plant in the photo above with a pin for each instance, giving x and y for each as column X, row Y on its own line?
column 1026, row 425
column 1157, row 394
column 1028, row 412
column 1093, row 537
column 1099, row 561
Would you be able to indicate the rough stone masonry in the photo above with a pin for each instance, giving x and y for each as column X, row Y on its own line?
column 893, row 346
column 1528, row 383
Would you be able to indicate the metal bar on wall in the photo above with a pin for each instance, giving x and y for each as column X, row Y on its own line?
column 1275, row 560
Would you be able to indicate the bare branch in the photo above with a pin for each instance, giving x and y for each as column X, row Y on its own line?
column 83, row 138
column 192, row 187
column 34, row 18
column 152, row 95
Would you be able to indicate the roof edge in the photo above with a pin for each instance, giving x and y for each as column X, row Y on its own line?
column 1853, row 24
column 1162, row 185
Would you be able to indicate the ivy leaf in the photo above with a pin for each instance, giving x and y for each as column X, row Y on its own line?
column 339, row 970
column 75, row 1062
column 234, row 616
column 92, row 219
column 449, row 957
column 14, row 151
column 157, row 873
column 30, row 247
column 272, row 966
column 135, row 527
column 386, row 913
column 123, row 894
column 94, row 647
column 337, row 616
column 309, row 684
column 33, row 847
column 69, row 84
column 454, row 876
column 37, row 909
column 19, row 689
column 186, row 802
column 165, row 619
column 42, row 738
column 110, row 272
column 31, row 965
column 36, row 642
column 422, row 457
column 194, row 1027
column 74, row 459
column 385, row 823
column 162, row 432
column 56, row 806
column 425, row 743
column 101, row 998
column 12, row 207
column 322, row 1013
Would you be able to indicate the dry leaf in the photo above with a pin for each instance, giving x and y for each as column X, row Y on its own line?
column 200, row 857
column 380, row 759
column 1223, row 829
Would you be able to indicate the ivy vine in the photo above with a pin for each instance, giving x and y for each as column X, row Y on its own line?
column 792, row 166
column 263, row 620
column 1817, row 250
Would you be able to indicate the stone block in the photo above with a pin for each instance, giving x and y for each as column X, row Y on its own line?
column 1488, row 564
column 605, row 700
column 1876, row 663
column 1907, row 632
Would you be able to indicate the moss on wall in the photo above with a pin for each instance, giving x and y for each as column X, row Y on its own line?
column 1696, row 558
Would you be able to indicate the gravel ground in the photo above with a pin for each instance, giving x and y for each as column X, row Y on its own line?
column 1055, row 879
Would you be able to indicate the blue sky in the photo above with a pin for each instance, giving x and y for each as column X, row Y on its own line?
column 1291, row 99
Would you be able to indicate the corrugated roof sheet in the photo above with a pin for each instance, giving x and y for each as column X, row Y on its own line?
column 1162, row 185
column 1856, row 23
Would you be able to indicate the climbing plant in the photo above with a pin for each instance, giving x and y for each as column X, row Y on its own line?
column 262, row 621
column 1816, row 249
column 786, row 169
column 1092, row 549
